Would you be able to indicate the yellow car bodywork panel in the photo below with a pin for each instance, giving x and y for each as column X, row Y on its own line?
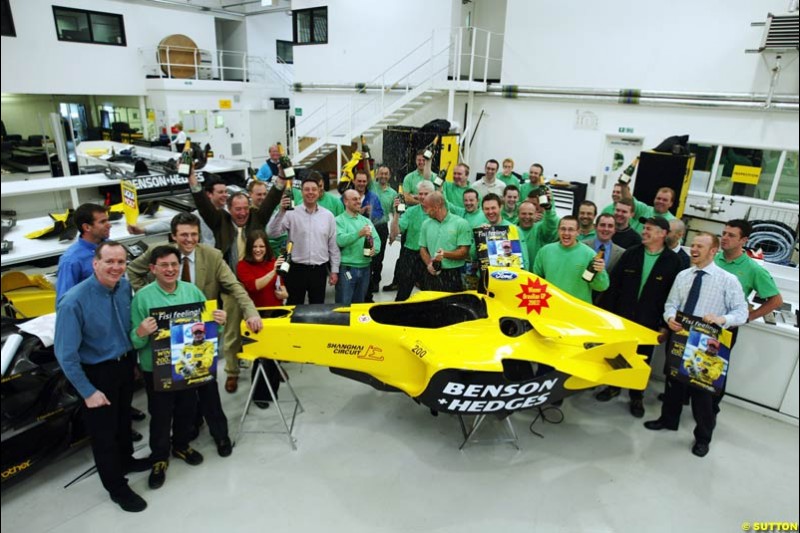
column 30, row 296
column 463, row 340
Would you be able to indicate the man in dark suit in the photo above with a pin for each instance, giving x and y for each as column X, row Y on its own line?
column 604, row 229
column 677, row 229
column 203, row 266
column 640, row 284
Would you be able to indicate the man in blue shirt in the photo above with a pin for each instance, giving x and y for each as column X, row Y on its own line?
column 270, row 168
column 76, row 263
column 92, row 345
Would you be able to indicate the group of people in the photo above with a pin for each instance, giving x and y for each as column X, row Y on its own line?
column 284, row 244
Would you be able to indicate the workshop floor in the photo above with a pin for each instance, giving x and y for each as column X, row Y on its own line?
column 369, row 461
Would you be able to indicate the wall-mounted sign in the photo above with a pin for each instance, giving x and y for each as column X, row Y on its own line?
column 298, row 111
column 225, row 104
column 746, row 174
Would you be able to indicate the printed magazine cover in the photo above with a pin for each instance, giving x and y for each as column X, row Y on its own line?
column 185, row 346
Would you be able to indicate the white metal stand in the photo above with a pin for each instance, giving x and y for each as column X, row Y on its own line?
column 261, row 373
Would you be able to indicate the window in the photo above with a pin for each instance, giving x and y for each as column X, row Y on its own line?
column 284, row 52
column 6, row 20
column 310, row 25
column 82, row 26
column 773, row 174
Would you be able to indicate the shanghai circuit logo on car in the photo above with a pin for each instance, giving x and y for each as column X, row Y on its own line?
column 534, row 296
column 504, row 275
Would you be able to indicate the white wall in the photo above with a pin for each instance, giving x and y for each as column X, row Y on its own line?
column 262, row 32
column 36, row 61
column 678, row 46
column 364, row 38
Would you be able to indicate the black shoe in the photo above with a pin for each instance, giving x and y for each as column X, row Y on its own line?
column 262, row 404
column 390, row 287
column 137, row 415
column 129, row 500
column 224, row 447
column 607, row 394
column 637, row 408
column 192, row 457
column 138, row 465
column 657, row 425
column 158, row 475
column 700, row 449
column 136, row 436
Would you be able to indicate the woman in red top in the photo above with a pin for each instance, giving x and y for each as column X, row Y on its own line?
column 258, row 272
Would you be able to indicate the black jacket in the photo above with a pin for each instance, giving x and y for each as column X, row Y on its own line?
column 622, row 296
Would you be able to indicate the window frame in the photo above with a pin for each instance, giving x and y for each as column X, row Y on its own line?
column 89, row 14
column 312, row 11
column 8, row 19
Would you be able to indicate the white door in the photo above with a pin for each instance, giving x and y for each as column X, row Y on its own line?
column 618, row 153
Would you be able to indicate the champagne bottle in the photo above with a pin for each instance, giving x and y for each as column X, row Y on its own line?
column 368, row 244
column 437, row 266
column 287, row 260
column 364, row 148
column 590, row 272
column 627, row 174
column 428, row 153
column 185, row 164
column 544, row 197
column 401, row 207
column 440, row 178
column 286, row 165
column 287, row 192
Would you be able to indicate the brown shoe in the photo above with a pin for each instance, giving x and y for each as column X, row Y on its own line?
column 232, row 384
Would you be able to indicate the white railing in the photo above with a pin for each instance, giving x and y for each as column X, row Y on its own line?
column 200, row 64
column 454, row 54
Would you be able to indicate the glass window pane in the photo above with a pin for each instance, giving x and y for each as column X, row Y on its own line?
column 788, row 185
column 703, row 163
column 303, row 26
column 321, row 25
column 72, row 25
column 765, row 160
column 107, row 29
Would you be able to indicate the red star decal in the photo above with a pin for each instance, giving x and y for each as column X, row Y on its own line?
column 534, row 296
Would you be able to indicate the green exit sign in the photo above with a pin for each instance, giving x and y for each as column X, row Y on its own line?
column 298, row 111
column 625, row 130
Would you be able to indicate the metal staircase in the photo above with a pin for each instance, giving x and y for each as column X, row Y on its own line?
column 431, row 69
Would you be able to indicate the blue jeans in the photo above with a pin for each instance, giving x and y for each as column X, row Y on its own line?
column 352, row 285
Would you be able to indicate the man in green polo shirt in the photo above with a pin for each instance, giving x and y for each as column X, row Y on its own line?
column 413, row 179
column 353, row 234
column 510, row 204
column 444, row 243
column 409, row 267
column 386, row 195
column 563, row 263
column 663, row 201
column 170, row 411
column 536, row 234
column 752, row 276
column 454, row 190
column 587, row 212
column 532, row 180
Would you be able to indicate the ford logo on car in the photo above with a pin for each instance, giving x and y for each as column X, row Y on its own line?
column 504, row 275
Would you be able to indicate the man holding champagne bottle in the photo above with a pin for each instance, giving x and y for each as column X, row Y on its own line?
column 358, row 240
column 563, row 263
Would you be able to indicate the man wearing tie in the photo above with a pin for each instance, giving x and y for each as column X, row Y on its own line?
column 706, row 291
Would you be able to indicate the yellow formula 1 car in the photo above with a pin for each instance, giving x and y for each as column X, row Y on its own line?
column 468, row 352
